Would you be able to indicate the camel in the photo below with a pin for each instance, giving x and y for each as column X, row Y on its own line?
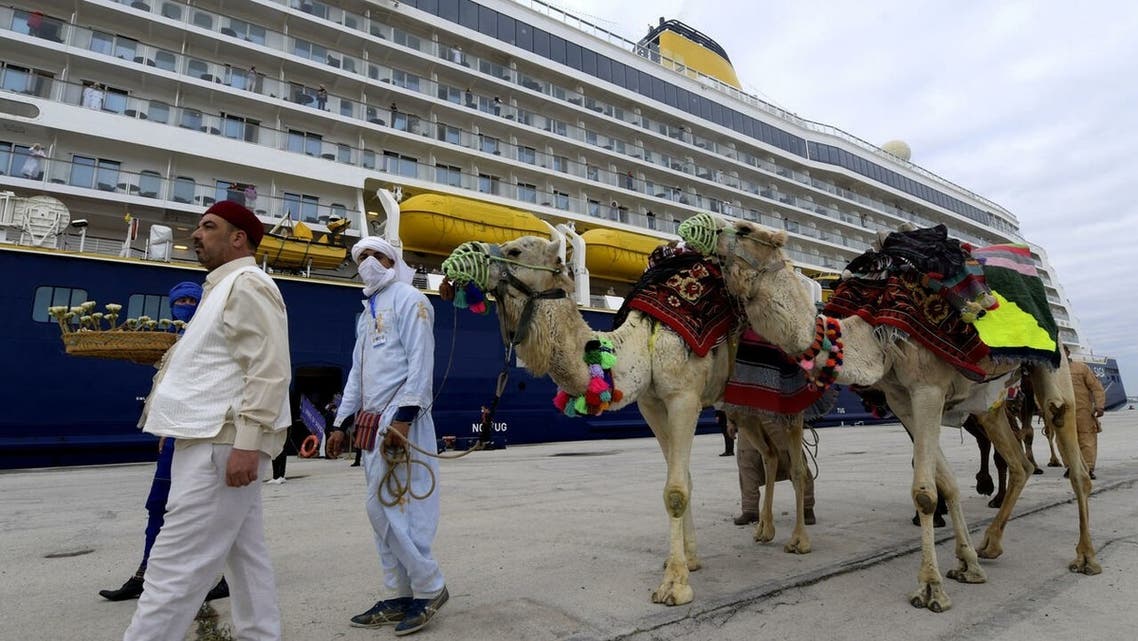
column 654, row 368
column 766, row 432
column 918, row 387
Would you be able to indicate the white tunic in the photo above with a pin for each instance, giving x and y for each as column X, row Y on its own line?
column 393, row 366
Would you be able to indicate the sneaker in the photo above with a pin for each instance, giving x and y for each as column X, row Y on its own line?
column 383, row 613
column 219, row 591
column 421, row 612
column 132, row 589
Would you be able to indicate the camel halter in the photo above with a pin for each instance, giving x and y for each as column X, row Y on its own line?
column 474, row 262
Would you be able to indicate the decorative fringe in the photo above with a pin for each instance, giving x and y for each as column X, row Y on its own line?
column 827, row 342
column 470, row 297
column 601, row 391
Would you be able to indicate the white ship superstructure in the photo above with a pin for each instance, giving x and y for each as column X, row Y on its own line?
column 156, row 108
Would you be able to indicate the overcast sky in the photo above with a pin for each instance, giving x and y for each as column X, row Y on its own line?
column 1031, row 104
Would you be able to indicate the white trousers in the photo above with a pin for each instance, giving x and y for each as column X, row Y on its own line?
column 209, row 527
column 404, row 533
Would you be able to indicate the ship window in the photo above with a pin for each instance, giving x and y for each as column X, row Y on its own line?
column 560, row 163
column 573, row 55
column 404, row 79
column 126, row 48
column 527, row 193
column 589, row 61
column 468, row 14
column 446, row 133
column 506, row 31
column 557, row 48
column 525, row 36
column 594, row 208
column 301, row 142
column 605, row 68
column 302, row 207
column 149, row 183
column 540, row 43
column 400, row 164
column 158, row 112
column 527, row 155
column 488, row 21
column 368, row 161
column 408, row 40
column 203, row 20
column 165, row 60
column 184, row 188
column 17, row 79
column 47, row 297
column 102, row 42
column 488, row 184
column 6, row 158
column 115, row 100
column 448, row 10
column 153, row 305
column 450, row 94
column 488, row 144
column 448, row 175
column 561, row 200
column 344, row 153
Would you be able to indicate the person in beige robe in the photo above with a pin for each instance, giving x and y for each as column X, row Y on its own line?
column 1090, row 400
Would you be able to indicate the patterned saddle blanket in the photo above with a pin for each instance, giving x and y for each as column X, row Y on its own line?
column 685, row 291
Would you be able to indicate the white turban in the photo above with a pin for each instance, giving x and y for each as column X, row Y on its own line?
column 403, row 272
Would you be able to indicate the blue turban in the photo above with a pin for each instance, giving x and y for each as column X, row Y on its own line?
column 185, row 290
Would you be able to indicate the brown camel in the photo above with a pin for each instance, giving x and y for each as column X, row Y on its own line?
column 654, row 368
column 918, row 387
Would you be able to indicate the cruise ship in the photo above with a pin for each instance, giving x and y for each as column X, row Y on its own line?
column 430, row 122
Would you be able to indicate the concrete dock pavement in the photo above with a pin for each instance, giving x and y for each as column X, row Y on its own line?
column 568, row 540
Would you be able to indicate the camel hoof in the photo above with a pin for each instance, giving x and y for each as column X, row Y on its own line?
column 1038, row 470
column 931, row 596
column 964, row 574
column 989, row 551
column 1054, row 464
column 1085, row 565
column 694, row 563
column 984, row 484
column 764, row 533
column 996, row 501
column 673, row 594
column 797, row 546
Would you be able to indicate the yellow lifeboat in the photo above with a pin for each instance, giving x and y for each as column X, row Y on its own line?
column 293, row 246
column 437, row 223
column 617, row 255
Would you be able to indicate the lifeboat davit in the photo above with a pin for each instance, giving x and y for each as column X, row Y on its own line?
column 437, row 223
column 617, row 255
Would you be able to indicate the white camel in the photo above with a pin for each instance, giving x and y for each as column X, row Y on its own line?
column 919, row 387
column 654, row 369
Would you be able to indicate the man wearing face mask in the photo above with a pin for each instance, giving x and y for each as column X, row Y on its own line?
column 389, row 392
column 184, row 299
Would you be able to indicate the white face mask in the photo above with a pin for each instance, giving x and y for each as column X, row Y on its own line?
column 375, row 275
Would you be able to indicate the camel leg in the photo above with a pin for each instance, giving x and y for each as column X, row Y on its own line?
column 1026, row 435
column 1017, row 469
column 799, row 542
column 967, row 568
column 1001, row 480
column 1050, row 435
column 674, row 425
column 1056, row 399
column 983, row 477
column 920, row 411
column 764, row 530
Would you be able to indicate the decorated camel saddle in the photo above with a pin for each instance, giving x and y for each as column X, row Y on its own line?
column 684, row 290
column 962, row 303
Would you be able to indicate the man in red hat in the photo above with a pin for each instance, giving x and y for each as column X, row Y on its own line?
column 222, row 392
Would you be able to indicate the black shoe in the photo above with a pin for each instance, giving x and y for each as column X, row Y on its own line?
column 383, row 613
column 219, row 591
column 728, row 454
column 132, row 589
column 747, row 517
column 938, row 521
column 355, row 464
column 421, row 612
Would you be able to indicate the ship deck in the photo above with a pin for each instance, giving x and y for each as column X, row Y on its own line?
column 567, row 540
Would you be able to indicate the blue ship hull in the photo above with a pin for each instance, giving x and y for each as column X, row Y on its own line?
column 63, row 410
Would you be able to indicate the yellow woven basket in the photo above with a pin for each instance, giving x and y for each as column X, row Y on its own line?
column 141, row 347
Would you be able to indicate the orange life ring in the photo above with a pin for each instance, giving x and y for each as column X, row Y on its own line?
column 310, row 446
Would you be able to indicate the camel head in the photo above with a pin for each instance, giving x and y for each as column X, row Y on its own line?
column 758, row 272
column 519, row 273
